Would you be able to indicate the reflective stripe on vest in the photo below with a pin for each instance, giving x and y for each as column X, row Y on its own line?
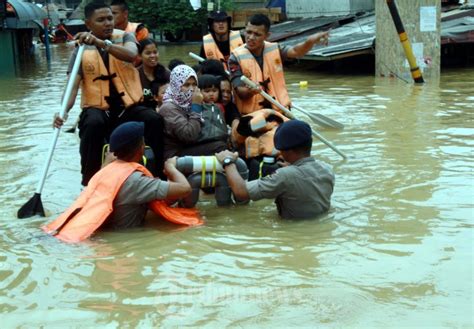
column 95, row 78
column 212, row 51
column 272, row 72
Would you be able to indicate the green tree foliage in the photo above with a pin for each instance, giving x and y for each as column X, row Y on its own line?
column 226, row 5
column 171, row 17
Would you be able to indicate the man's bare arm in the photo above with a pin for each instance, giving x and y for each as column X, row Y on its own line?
column 302, row 48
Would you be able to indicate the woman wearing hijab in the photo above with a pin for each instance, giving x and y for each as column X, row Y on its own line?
column 181, row 111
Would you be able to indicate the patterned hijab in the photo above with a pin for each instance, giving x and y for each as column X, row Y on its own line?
column 173, row 93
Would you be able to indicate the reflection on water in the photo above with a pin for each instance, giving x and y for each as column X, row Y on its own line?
column 395, row 249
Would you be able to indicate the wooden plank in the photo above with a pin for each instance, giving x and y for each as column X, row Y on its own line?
column 240, row 17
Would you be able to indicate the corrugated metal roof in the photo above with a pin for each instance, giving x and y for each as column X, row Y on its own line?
column 358, row 37
column 352, row 38
column 295, row 27
column 28, row 15
column 459, row 30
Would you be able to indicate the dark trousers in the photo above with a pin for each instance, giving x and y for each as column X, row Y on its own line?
column 95, row 127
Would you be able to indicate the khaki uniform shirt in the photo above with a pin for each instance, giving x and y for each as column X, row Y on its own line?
column 301, row 190
column 131, row 203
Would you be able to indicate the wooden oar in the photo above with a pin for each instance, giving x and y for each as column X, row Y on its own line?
column 318, row 118
column 288, row 113
column 34, row 206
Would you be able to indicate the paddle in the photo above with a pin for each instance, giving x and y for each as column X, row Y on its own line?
column 315, row 117
column 34, row 206
column 290, row 115
column 196, row 57
column 318, row 118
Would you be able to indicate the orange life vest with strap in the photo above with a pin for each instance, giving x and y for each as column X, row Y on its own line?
column 271, row 79
column 95, row 204
column 262, row 125
column 213, row 52
column 96, row 77
column 140, row 34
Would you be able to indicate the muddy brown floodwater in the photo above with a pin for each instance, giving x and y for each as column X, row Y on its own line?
column 394, row 251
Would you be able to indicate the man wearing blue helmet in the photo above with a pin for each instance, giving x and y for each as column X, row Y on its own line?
column 120, row 194
column 302, row 189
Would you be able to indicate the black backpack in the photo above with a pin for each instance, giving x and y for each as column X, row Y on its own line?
column 214, row 127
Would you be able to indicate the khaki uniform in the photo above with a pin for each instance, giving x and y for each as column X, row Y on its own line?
column 131, row 203
column 301, row 190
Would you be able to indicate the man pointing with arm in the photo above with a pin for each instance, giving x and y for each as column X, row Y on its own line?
column 262, row 62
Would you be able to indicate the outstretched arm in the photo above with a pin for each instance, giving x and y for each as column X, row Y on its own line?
column 302, row 48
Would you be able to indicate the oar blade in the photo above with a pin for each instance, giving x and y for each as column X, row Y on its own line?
column 33, row 207
column 325, row 121
column 320, row 119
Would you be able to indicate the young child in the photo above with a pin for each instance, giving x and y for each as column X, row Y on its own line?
column 213, row 114
column 232, row 114
column 159, row 93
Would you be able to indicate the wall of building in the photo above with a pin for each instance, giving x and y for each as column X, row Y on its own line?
column 3, row 12
column 7, row 52
column 423, row 30
column 243, row 4
column 362, row 5
column 305, row 8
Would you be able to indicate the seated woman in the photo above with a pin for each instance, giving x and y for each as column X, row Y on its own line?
column 153, row 75
column 181, row 111
column 232, row 114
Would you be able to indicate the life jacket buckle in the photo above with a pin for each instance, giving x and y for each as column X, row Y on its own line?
column 104, row 77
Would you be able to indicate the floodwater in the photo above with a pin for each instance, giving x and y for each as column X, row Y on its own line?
column 396, row 249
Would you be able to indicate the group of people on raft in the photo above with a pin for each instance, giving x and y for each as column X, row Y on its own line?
column 129, row 99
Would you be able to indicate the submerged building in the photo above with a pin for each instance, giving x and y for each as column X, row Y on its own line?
column 19, row 22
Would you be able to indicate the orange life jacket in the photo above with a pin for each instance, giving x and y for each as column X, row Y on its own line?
column 272, row 73
column 95, row 78
column 264, row 124
column 140, row 34
column 95, row 204
column 212, row 51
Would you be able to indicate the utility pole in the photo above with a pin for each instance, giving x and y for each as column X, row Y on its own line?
column 421, row 20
